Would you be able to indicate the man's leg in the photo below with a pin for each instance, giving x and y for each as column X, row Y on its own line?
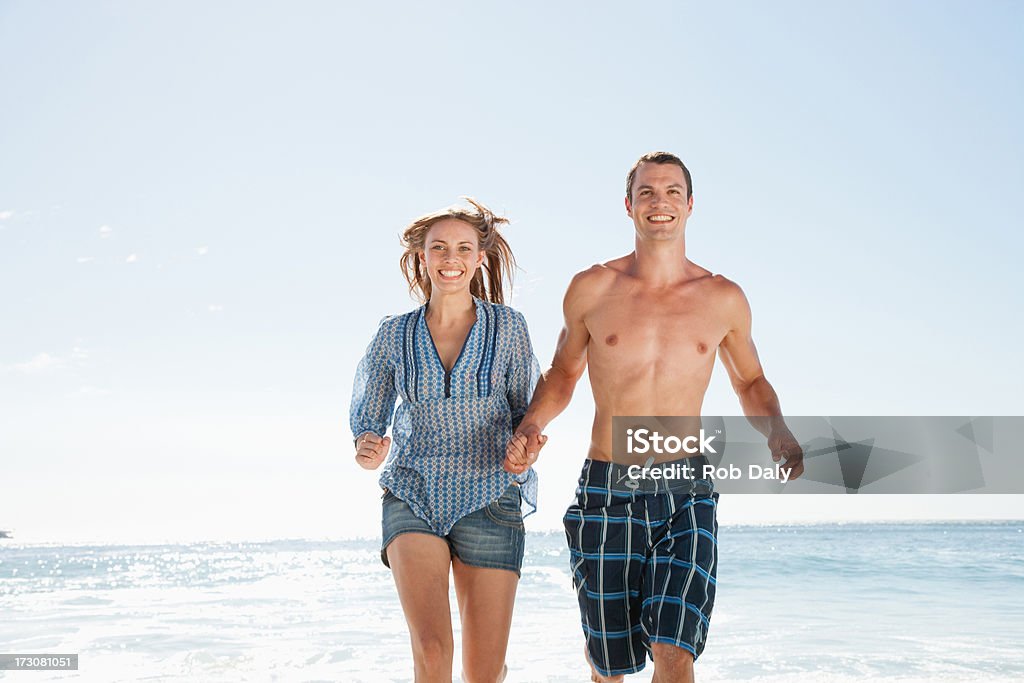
column 679, row 588
column 595, row 675
column 607, row 539
column 419, row 563
column 671, row 664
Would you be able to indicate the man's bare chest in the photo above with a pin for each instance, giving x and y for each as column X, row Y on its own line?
column 644, row 329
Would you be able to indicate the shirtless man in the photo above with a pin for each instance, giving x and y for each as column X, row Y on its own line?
column 648, row 324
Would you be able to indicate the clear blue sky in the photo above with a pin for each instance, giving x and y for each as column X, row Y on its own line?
column 199, row 209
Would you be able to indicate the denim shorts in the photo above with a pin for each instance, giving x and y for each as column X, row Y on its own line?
column 491, row 537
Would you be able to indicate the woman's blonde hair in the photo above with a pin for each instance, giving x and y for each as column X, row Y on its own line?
column 493, row 275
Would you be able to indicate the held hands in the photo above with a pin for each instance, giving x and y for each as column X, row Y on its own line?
column 523, row 448
column 371, row 450
column 783, row 444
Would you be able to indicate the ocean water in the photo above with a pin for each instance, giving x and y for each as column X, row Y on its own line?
column 854, row 602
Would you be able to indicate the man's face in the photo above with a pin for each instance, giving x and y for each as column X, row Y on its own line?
column 659, row 207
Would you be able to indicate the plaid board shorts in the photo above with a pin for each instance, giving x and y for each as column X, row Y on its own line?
column 643, row 564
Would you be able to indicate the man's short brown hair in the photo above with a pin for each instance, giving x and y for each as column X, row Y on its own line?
column 658, row 158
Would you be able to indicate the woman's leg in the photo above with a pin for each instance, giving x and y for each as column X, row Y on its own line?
column 419, row 563
column 485, row 607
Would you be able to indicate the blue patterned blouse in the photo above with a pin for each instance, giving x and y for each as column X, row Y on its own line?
column 451, row 429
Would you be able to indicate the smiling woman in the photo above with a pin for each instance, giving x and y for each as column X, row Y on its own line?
column 464, row 368
column 497, row 264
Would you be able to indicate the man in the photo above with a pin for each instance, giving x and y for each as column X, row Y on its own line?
column 648, row 324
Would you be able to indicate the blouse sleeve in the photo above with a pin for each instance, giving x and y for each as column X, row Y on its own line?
column 373, row 392
column 523, row 370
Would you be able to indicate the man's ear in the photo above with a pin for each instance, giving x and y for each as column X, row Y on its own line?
column 629, row 208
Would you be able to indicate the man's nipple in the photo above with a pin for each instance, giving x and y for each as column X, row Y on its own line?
column 702, row 347
column 611, row 339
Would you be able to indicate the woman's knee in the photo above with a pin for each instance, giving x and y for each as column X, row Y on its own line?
column 483, row 672
column 433, row 650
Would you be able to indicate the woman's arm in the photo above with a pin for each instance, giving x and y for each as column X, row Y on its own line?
column 523, row 369
column 373, row 399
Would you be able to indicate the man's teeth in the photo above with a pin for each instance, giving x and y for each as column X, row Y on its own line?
column 451, row 273
column 660, row 218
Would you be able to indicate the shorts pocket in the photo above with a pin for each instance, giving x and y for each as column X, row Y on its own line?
column 507, row 510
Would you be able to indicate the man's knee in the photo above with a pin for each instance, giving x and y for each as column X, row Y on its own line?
column 671, row 658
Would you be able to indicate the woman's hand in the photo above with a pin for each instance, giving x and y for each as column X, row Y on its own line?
column 371, row 450
column 523, row 449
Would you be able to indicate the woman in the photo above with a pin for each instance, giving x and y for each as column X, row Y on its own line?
column 465, row 370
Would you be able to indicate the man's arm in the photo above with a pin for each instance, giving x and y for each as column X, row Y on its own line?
column 555, row 387
column 758, row 399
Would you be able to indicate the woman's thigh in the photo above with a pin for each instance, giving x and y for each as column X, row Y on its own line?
column 420, row 565
column 486, row 597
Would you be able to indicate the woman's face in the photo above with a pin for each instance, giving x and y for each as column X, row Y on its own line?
column 451, row 255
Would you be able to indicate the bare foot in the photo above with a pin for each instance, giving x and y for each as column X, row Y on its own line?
column 595, row 675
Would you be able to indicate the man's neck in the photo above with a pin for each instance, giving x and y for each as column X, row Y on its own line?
column 661, row 264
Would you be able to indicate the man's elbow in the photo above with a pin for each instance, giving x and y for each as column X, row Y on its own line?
column 753, row 389
column 743, row 384
column 561, row 380
column 757, row 396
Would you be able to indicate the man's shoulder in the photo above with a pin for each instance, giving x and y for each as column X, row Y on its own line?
column 589, row 286
column 599, row 275
column 723, row 285
column 726, row 293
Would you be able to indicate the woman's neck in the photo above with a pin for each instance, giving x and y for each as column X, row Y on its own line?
column 448, row 309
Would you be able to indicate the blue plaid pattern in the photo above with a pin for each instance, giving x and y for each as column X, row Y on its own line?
column 449, row 432
column 643, row 565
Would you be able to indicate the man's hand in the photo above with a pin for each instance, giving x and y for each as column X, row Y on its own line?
column 371, row 450
column 783, row 444
column 523, row 448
